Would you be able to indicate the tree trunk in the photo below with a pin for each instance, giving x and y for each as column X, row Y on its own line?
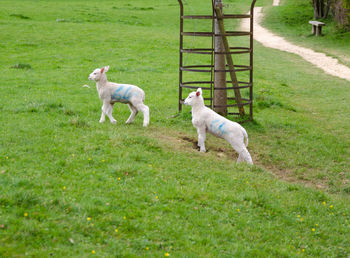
column 341, row 14
column 326, row 12
column 318, row 8
column 220, row 96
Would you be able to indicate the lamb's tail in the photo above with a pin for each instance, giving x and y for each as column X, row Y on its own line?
column 245, row 136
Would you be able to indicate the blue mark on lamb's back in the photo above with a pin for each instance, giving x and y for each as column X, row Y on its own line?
column 221, row 128
column 217, row 127
column 116, row 95
column 122, row 93
column 127, row 94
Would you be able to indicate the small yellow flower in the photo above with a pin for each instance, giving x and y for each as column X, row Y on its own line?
column 324, row 203
column 7, row 157
column 64, row 188
column 331, row 206
column 118, row 178
column 93, row 252
column 88, row 218
column 116, row 230
column 301, row 219
column 25, row 214
column 298, row 216
column 103, row 160
column 316, row 225
column 157, row 197
column 147, row 248
column 313, row 229
column 73, row 155
column 124, row 217
column 89, row 158
column 166, row 254
column 303, row 250
column 238, row 210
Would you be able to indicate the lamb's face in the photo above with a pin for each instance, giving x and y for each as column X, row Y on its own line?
column 191, row 99
column 95, row 75
column 194, row 97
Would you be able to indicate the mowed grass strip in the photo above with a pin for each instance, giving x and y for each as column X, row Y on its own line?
column 73, row 187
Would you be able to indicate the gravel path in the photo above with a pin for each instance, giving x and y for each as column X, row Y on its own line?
column 328, row 64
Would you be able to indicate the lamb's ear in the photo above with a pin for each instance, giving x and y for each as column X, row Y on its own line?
column 199, row 92
column 105, row 69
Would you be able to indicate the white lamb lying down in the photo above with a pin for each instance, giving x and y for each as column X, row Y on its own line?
column 205, row 119
column 111, row 93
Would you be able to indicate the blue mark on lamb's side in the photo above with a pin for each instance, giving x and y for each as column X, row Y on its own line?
column 122, row 93
column 212, row 123
column 221, row 128
column 117, row 94
column 216, row 127
column 127, row 94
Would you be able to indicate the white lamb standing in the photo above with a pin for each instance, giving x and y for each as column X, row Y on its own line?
column 205, row 119
column 110, row 93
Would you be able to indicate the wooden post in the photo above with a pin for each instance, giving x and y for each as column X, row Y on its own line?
column 229, row 60
column 220, row 95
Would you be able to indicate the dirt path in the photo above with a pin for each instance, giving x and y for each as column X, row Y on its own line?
column 276, row 2
column 328, row 64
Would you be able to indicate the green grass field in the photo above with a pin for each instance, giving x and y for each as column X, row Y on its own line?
column 72, row 187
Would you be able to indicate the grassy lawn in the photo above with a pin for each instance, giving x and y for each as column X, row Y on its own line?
column 73, row 187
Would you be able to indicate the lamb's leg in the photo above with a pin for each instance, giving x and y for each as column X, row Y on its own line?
column 201, row 139
column 245, row 156
column 103, row 114
column 108, row 111
column 145, row 111
column 243, row 153
column 133, row 111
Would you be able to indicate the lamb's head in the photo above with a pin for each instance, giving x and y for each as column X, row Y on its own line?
column 195, row 98
column 98, row 73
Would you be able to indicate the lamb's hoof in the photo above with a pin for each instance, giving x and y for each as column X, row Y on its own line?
column 114, row 122
column 102, row 121
column 145, row 125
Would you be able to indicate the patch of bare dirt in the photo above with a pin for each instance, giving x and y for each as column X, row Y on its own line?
column 188, row 143
column 220, row 149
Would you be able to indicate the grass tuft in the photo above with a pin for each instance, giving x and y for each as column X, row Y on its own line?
column 20, row 16
column 21, row 66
